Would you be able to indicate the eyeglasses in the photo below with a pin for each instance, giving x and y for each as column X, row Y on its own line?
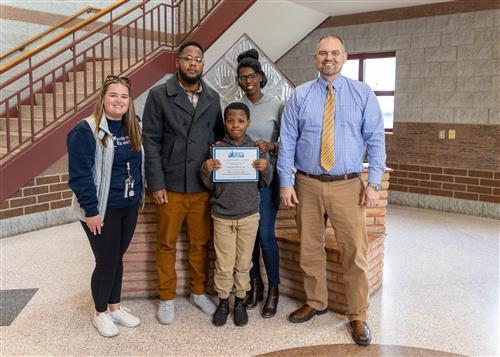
column 115, row 78
column 190, row 59
column 243, row 78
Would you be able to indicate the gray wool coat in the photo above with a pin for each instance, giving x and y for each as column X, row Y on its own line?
column 177, row 137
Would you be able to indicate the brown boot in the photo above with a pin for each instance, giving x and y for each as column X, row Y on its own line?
column 255, row 294
column 271, row 304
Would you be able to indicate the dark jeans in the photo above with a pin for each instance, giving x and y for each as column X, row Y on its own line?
column 266, row 239
column 109, row 248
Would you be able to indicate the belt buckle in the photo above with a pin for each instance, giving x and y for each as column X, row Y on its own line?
column 324, row 178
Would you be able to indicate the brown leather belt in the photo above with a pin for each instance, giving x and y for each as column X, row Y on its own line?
column 330, row 178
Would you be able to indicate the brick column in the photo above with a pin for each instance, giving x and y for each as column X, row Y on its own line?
column 140, row 276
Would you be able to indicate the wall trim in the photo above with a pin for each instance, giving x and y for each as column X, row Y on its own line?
column 445, row 204
column 31, row 222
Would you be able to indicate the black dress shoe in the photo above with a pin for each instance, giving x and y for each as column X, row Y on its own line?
column 255, row 294
column 271, row 304
column 361, row 332
column 220, row 315
column 305, row 313
column 240, row 312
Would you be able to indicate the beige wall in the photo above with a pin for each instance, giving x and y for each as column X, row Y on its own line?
column 447, row 78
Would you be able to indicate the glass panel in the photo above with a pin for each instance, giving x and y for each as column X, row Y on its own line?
column 387, row 107
column 222, row 75
column 351, row 69
column 380, row 73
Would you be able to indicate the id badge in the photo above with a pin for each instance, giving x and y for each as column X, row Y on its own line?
column 129, row 188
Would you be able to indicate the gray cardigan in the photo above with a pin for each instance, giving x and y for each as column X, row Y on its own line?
column 177, row 137
column 103, row 166
column 236, row 200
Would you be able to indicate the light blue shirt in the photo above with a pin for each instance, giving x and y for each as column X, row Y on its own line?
column 359, row 128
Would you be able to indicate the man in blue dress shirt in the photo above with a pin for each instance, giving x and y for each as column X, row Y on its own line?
column 337, row 191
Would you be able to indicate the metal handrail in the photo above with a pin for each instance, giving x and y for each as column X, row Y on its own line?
column 35, row 119
column 61, row 36
column 135, row 42
column 25, row 44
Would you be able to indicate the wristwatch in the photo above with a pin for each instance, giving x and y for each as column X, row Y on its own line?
column 377, row 187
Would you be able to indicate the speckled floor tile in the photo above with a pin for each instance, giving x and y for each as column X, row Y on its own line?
column 440, row 292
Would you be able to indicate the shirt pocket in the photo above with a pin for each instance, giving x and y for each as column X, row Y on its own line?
column 349, row 116
column 310, row 123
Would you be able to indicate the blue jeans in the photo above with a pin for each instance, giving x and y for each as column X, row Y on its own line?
column 266, row 239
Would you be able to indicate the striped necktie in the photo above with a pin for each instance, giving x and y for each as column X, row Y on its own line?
column 327, row 153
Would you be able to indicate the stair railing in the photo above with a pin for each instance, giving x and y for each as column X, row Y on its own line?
column 42, row 34
column 57, row 86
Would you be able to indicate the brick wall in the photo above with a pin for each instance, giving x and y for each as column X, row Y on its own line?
column 447, row 182
column 447, row 78
column 41, row 202
column 40, row 194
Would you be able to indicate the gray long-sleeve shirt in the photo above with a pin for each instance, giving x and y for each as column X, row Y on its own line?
column 265, row 121
column 236, row 200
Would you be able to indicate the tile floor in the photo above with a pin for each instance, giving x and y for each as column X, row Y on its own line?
column 440, row 292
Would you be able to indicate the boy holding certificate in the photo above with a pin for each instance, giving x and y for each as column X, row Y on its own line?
column 235, row 209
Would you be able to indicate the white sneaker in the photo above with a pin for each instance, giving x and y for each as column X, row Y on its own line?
column 204, row 303
column 166, row 311
column 104, row 324
column 124, row 317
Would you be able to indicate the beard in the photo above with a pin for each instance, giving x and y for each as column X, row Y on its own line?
column 188, row 79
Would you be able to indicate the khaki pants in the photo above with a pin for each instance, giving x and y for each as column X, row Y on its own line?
column 340, row 201
column 194, row 209
column 234, row 241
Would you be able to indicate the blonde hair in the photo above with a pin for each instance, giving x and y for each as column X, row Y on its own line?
column 131, row 124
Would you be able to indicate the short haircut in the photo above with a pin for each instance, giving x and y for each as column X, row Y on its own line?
column 187, row 44
column 331, row 36
column 237, row 106
column 250, row 59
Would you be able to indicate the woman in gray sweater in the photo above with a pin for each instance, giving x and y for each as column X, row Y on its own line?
column 265, row 112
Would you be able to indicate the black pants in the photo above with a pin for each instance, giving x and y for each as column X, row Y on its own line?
column 109, row 248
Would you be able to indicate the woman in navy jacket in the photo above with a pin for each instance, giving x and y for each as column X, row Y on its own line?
column 105, row 161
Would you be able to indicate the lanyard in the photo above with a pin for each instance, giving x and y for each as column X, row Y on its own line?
column 129, row 183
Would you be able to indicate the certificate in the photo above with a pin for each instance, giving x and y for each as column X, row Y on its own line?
column 236, row 164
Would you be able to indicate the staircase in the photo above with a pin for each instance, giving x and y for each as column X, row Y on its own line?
column 51, row 105
column 41, row 104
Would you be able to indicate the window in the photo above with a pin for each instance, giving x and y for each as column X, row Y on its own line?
column 378, row 70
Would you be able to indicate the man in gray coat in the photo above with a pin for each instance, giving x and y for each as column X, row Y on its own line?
column 182, row 119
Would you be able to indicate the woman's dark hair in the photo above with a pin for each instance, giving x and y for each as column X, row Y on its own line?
column 250, row 59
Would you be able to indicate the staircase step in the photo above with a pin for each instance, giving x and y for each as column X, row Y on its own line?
column 14, row 138
column 79, row 88
column 59, row 99
column 80, row 76
column 25, row 123
column 38, row 111
column 106, row 64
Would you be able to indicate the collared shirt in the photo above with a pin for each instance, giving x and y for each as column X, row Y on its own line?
column 359, row 128
column 193, row 96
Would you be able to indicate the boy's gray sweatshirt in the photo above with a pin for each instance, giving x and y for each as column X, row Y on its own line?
column 236, row 200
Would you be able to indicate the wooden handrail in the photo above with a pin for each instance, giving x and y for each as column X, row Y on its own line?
column 62, row 35
column 23, row 45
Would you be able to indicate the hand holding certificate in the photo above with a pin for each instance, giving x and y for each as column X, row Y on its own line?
column 235, row 164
